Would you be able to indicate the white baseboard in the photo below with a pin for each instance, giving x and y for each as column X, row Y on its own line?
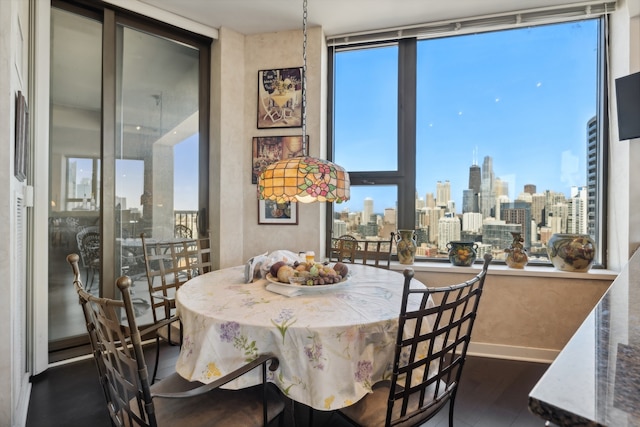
column 499, row 351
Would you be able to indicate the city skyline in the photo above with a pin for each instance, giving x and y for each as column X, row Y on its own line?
column 523, row 97
column 361, row 193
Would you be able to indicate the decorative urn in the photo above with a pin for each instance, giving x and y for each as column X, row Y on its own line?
column 462, row 253
column 406, row 246
column 571, row 252
column 516, row 253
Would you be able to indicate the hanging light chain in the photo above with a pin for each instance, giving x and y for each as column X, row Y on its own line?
column 304, row 76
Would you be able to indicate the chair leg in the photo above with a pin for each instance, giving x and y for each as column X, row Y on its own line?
column 451, row 401
column 155, row 368
column 93, row 277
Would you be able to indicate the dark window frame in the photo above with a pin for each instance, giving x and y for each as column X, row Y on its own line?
column 404, row 177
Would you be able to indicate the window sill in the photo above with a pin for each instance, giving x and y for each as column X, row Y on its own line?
column 503, row 270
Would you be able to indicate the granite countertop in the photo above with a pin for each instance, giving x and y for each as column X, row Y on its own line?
column 595, row 380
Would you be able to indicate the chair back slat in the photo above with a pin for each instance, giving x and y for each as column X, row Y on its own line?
column 435, row 326
column 117, row 349
column 347, row 248
column 169, row 264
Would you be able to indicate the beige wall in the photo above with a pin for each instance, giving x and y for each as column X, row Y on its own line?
column 282, row 50
column 522, row 317
column 228, row 141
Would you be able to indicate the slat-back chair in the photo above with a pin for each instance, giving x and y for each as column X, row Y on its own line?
column 89, row 244
column 376, row 253
column 431, row 348
column 169, row 264
column 181, row 231
column 131, row 400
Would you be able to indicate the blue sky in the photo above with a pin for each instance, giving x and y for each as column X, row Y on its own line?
column 131, row 176
column 523, row 97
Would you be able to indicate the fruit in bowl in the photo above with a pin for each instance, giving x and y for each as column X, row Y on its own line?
column 311, row 274
column 284, row 273
column 298, row 280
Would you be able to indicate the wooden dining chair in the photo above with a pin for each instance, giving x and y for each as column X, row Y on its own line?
column 347, row 248
column 431, row 348
column 168, row 265
column 132, row 401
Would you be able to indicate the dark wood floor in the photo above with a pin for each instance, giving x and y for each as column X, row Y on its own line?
column 492, row 393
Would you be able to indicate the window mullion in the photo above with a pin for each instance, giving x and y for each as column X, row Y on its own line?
column 407, row 70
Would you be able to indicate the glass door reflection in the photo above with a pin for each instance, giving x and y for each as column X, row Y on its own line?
column 156, row 149
column 121, row 174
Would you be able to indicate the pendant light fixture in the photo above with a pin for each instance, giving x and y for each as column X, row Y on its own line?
column 304, row 179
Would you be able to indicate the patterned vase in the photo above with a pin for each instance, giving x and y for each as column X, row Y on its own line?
column 516, row 253
column 571, row 252
column 462, row 254
column 406, row 245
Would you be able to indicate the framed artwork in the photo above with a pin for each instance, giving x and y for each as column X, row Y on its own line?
column 270, row 212
column 270, row 149
column 21, row 158
column 280, row 98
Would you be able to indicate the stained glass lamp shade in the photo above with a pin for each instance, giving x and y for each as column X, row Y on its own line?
column 304, row 179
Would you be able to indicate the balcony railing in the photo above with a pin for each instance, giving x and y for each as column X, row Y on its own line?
column 188, row 219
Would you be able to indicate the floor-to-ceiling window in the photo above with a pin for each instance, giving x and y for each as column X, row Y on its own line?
column 473, row 134
column 127, row 101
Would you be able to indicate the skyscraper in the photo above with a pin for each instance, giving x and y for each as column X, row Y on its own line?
column 390, row 215
column 592, row 174
column 429, row 201
column 472, row 221
column 537, row 208
column 487, row 193
column 471, row 195
column 469, row 201
column 443, row 193
column 475, row 178
column 518, row 213
column 500, row 187
column 367, row 210
column 448, row 230
column 577, row 220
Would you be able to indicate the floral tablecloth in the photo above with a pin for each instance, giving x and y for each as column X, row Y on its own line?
column 332, row 345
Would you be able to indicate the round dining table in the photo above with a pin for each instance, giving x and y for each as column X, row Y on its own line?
column 333, row 342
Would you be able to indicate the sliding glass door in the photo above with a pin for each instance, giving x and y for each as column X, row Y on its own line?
column 127, row 136
column 156, row 150
column 74, row 165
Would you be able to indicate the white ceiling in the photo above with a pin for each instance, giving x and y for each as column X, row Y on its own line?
column 336, row 16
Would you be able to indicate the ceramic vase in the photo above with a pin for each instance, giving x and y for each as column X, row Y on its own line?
column 516, row 253
column 571, row 252
column 462, row 253
column 406, row 246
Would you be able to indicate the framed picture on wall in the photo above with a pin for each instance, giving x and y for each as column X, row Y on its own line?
column 270, row 149
column 270, row 212
column 280, row 98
